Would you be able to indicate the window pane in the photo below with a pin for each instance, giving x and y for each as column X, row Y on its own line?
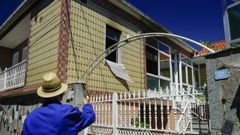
column 152, row 42
column 24, row 53
column 190, row 76
column 163, row 47
column 186, row 60
column 164, row 84
column 164, row 65
column 112, row 37
column 196, row 78
column 183, row 74
column 152, row 60
column 195, row 65
column 113, row 33
column 234, row 21
column 152, row 83
column 173, row 73
column 15, row 58
column 173, row 56
column 112, row 56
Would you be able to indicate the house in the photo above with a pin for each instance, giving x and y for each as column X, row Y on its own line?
column 64, row 36
column 199, row 58
column 223, row 77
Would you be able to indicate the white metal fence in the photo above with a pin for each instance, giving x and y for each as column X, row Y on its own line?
column 142, row 113
column 13, row 77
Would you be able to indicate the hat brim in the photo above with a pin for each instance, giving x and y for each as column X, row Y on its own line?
column 43, row 94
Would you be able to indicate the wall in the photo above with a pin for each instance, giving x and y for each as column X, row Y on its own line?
column 88, row 23
column 14, row 110
column 5, row 53
column 44, row 40
column 224, row 95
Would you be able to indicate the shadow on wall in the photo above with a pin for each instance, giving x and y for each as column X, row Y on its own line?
column 236, row 103
column 228, row 124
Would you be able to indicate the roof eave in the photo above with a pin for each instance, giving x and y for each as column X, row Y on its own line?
column 123, row 4
column 16, row 16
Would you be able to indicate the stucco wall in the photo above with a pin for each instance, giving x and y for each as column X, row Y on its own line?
column 224, row 95
column 14, row 110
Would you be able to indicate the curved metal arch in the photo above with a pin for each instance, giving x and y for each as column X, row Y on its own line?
column 124, row 42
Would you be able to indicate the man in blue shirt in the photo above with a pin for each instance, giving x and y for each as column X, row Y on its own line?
column 54, row 118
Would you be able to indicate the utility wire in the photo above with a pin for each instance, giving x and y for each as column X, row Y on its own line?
column 72, row 40
column 45, row 24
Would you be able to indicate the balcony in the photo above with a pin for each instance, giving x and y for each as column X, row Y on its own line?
column 13, row 77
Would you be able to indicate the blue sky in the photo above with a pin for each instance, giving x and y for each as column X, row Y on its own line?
column 7, row 7
column 200, row 20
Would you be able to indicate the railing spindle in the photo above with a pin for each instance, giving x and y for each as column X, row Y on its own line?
column 125, row 109
column 139, row 109
column 150, row 117
column 168, row 114
column 134, row 110
column 162, row 113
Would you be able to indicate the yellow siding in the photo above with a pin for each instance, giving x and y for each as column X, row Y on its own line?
column 44, row 39
column 88, row 30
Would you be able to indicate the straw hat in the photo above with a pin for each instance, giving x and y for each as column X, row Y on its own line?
column 51, row 86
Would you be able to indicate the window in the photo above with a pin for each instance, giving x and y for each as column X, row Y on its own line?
column 158, row 65
column 152, row 42
column 234, row 20
column 164, row 65
column 24, row 53
column 196, row 75
column 152, row 60
column 184, row 77
column 112, row 37
column 165, row 85
column 190, row 82
column 15, row 58
column 152, row 83
column 163, row 47
column 187, row 71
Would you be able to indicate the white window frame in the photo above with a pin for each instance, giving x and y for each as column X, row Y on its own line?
column 181, row 63
column 159, row 76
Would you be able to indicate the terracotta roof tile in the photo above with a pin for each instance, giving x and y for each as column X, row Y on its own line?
column 216, row 46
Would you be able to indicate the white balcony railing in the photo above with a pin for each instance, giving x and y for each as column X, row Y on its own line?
column 13, row 77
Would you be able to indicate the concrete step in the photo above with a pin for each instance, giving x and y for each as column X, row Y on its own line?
column 203, row 126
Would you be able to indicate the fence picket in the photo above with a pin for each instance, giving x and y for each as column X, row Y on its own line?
column 129, row 110
column 120, row 115
column 139, row 110
column 102, row 109
column 125, row 109
column 134, row 111
column 142, row 113
column 109, row 108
